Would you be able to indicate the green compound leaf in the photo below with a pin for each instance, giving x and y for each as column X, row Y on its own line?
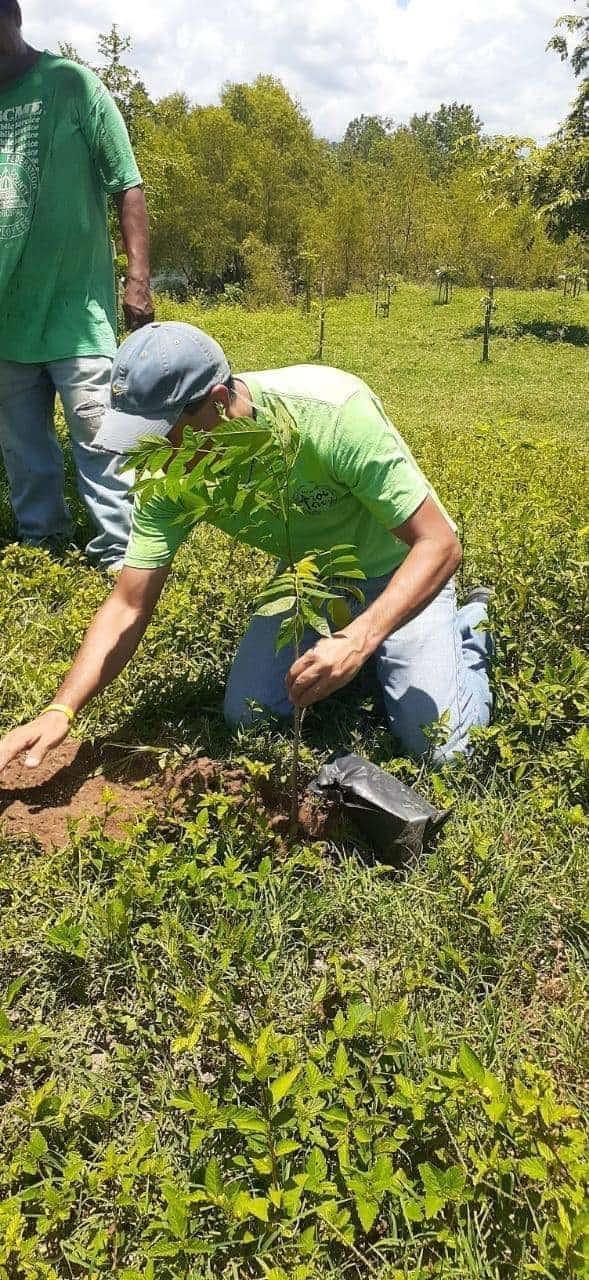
column 273, row 607
column 315, row 620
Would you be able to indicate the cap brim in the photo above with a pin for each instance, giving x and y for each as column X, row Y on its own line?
column 120, row 432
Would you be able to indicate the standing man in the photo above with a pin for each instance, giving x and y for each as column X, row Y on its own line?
column 64, row 149
column 354, row 481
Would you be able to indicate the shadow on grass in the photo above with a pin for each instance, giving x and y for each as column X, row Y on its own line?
column 191, row 711
column 576, row 335
column 67, row 770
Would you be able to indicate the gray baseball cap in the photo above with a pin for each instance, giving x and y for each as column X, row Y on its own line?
column 157, row 371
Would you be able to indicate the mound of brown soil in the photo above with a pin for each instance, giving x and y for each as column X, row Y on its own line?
column 82, row 782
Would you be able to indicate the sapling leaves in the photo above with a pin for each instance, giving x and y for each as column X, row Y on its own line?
column 314, row 620
column 290, row 632
column 282, row 605
column 339, row 611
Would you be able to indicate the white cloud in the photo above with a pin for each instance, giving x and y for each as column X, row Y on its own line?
column 342, row 57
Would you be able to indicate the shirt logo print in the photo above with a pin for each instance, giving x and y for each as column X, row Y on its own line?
column 19, row 167
column 314, row 498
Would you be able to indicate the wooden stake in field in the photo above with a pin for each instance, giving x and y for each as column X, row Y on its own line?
column 490, row 306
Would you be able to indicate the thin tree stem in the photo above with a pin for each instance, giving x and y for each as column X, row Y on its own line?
column 294, row 773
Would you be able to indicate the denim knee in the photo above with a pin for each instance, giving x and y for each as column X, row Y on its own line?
column 413, row 739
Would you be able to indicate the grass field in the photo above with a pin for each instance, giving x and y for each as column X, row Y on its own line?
column 223, row 1054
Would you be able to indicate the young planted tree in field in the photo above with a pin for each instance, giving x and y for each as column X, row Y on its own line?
column 246, row 471
column 489, row 306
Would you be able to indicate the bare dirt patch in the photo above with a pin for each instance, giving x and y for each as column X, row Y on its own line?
column 81, row 782
column 72, row 783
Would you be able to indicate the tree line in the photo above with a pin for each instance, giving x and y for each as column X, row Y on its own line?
column 246, row 201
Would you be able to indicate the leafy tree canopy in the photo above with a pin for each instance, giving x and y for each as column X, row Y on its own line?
column 559, row 172
column 447, row 135
column 363, row 132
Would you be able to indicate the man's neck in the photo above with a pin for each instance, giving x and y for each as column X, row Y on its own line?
column 242, row 406
column 16, row 58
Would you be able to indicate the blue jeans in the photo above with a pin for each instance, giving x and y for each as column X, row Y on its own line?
column 34, row 461
column 438, row 662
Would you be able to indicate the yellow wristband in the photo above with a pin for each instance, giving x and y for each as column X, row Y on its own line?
column 61, row 706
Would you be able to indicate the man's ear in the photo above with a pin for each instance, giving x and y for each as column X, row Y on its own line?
column 221, row 399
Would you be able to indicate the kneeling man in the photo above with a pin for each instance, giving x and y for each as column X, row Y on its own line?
column 354, row 482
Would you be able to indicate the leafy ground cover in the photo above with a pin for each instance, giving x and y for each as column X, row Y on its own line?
column 227, row 1054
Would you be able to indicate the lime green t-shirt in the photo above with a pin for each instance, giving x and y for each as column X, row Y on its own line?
column 354, row 479
column 63, row 148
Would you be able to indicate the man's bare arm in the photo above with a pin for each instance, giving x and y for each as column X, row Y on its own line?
column 134, row 224
column 434, row 556
column 109, row 644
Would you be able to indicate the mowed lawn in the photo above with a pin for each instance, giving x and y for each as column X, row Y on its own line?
column 224, row 1054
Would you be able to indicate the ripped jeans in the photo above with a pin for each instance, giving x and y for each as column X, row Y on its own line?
column 34, row 461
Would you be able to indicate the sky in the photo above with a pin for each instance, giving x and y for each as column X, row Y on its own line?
column 338, row 58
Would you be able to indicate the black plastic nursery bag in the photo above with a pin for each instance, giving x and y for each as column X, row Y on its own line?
column 394, row 819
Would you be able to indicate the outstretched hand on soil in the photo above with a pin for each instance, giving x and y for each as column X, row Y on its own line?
column 34, row 740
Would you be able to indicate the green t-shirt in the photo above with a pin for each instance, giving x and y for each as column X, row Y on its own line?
column 353, row 481
column 63, row 148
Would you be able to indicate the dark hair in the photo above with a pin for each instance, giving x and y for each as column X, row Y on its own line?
column 9, row 9
column 193, row 406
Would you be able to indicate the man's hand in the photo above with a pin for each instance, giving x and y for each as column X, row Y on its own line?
column 36, row 738
column 433, row 557
column 137, row 303
column 328, row 666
